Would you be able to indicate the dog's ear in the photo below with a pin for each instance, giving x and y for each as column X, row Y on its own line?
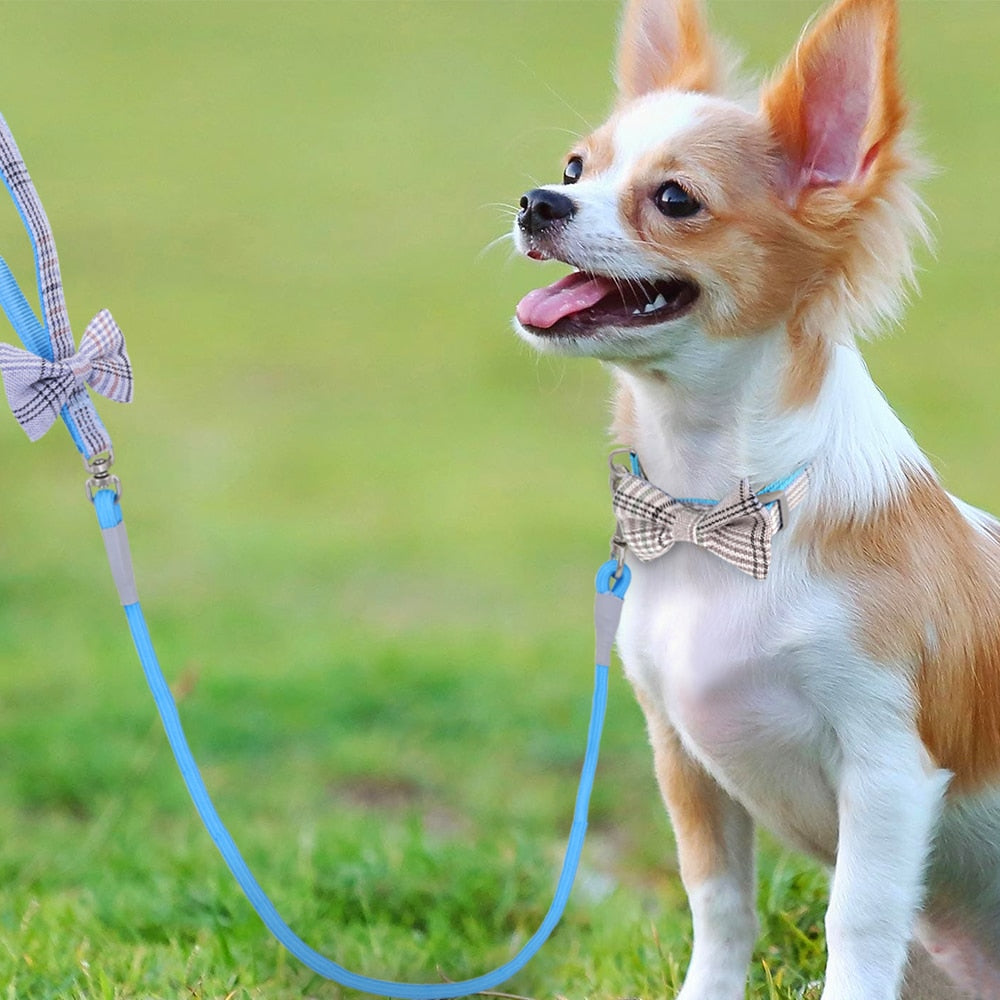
column 837, row 107
column 666, row 44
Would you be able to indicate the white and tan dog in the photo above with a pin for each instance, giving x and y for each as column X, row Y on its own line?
column 727, row 253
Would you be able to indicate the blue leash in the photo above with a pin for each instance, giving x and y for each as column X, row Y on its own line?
column 48, row 380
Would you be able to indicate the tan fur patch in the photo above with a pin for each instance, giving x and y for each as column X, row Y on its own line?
column 928, row 597
column 598, row 149
column 807, row 367
column 693, row 800
column 624, row 423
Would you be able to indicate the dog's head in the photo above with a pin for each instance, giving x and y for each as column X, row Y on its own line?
column 690, row 215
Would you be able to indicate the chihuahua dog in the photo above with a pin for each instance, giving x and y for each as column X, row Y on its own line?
column 839, row 681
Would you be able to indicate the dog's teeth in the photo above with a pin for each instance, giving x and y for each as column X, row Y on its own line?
column 650, row 307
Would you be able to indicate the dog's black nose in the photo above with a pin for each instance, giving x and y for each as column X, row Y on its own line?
column 541, row 208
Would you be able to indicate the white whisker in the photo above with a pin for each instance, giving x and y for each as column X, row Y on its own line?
column 495, row 243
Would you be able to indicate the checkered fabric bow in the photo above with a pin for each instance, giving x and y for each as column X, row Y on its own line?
column 37, row 389
column 738, row 528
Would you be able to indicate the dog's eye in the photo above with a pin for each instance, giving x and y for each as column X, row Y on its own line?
column 574, row 170
column 676, row 203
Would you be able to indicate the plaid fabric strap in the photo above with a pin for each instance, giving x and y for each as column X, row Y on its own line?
column 738, row 528
column 50, row 378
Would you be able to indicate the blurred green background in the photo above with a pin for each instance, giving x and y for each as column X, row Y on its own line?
column 365, row 518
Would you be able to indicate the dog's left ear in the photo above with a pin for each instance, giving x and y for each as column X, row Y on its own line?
column 837, row 107
column 665, row 44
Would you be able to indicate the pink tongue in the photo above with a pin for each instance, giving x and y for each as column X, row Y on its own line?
column 544, row 307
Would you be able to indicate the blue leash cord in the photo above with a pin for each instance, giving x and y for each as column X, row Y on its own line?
column 608, row 604
column 47, row 378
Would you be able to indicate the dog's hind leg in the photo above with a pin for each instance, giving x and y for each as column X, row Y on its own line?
column 715, row 847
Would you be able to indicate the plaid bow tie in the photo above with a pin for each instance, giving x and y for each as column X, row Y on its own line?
column 37, row 389
column 738, row 528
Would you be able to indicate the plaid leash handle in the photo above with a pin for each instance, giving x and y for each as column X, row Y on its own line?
column 739, row 528
column 49, row 378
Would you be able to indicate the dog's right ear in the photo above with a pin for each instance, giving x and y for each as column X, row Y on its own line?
column 665, row 44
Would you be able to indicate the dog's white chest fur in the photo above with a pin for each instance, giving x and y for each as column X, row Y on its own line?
column 727, row 660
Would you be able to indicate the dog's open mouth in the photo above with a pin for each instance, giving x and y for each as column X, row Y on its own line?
column 583, row 303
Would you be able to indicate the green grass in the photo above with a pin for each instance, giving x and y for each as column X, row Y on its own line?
column 365, row 519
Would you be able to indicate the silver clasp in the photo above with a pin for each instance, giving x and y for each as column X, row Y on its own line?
column 621, row 462
column 101, row 478
column 618, row 550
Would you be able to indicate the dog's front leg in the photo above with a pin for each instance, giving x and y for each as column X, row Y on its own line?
column 715, row 848
column 888, row 802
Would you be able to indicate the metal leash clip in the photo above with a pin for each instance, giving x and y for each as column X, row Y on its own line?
column 618, row 550
column 624, row 466
column 621, row 462
column 614, row 576
column 101, row 478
